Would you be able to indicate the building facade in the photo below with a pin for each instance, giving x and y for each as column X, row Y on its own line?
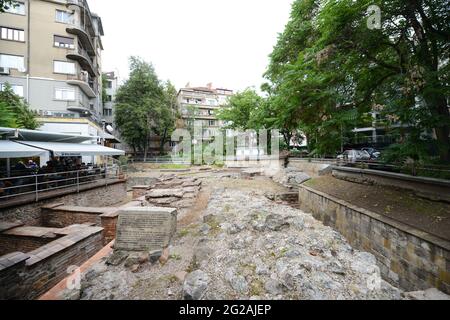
column 112, row 84
column 50, row 53
column 199, row 105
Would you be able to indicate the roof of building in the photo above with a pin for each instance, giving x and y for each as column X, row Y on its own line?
column 207, row 89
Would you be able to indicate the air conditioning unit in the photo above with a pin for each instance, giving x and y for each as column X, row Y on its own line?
column 84, row 76
column 4, row 70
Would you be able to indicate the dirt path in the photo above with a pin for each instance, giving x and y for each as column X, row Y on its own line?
column 195, row 213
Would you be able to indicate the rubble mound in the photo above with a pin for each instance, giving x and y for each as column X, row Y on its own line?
column 174, row 192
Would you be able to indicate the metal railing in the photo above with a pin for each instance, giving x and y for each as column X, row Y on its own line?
column 36, row 184
column 162, row 160
column 431, row 171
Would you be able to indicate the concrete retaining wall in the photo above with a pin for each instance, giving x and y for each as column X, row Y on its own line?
column 311, row 168
column 429, row 188
column 408, row 258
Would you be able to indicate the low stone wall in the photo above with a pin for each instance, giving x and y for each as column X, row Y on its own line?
column 109, row 225
column 30, row 214
column 11, row 243
column 140, row 181
column 429, row 188
column 27, row 276
column 312, row 168
column 267, row 165
column 140, row 191
column 61, row 216
column 408, row 258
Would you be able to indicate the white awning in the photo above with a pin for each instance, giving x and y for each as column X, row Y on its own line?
column 74, row 149
column 10, row 149
column 35, row 135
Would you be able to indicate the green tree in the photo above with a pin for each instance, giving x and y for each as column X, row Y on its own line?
column 144, row 106
column 167, row 115
column 23, row 116
column 6, row 4
column 329, row 68
column 241, row 109
column 7, row 117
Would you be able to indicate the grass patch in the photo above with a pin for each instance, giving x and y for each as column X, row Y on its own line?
column 257, row 288
column 176, row 257
column 192, row 266
column 310, row 183
column 172, row 166
column 184, row 233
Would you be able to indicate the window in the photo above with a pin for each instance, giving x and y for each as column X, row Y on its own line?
column 107, row 112
column 16, row 8
column 212, row 123
column 108, row 98
column 65, row 94
column 64, row 16
column 109, row 84
column 17, row 89
column 64, row 42
column 12, row 34
column 64, row 67
column 13, row 62
column 211, row 112
column 212, row 102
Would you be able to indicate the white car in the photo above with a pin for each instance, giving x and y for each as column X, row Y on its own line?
column 354, row 155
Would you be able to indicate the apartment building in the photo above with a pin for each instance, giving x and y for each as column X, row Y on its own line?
column 50, row 53
column 112, row 84
column 199, row 105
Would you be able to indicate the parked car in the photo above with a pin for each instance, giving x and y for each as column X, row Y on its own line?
column 354, row 155
column 374, row 153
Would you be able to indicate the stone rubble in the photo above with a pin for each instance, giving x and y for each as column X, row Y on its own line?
column 174, row 192
column 290, row 177
column 247, row 246
column 273, row 251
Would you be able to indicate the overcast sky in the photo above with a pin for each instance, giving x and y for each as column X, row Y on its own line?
column 226, row 42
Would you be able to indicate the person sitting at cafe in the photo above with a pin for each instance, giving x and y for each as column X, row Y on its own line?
column 32, row 165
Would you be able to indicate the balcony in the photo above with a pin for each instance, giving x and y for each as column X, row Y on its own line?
column 83, row 36
column 79, row 109
column 78, row 3
column 84, row 60
column 86, row 85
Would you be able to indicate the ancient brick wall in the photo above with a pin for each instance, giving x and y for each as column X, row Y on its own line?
column 45, row 267
column 30, row 214
column 408, row 258
column 9, row 244
column 61, row 218
column 109, row 225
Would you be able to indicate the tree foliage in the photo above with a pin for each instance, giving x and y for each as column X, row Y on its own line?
column 6, row 4
column 7, row 117
column 144, row 106
column 15, row 108
column 241, row 111
column 329, row 69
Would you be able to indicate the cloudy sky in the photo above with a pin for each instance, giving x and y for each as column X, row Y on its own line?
column 226, row 42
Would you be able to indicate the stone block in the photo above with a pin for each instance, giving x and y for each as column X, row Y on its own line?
column 145, row 228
